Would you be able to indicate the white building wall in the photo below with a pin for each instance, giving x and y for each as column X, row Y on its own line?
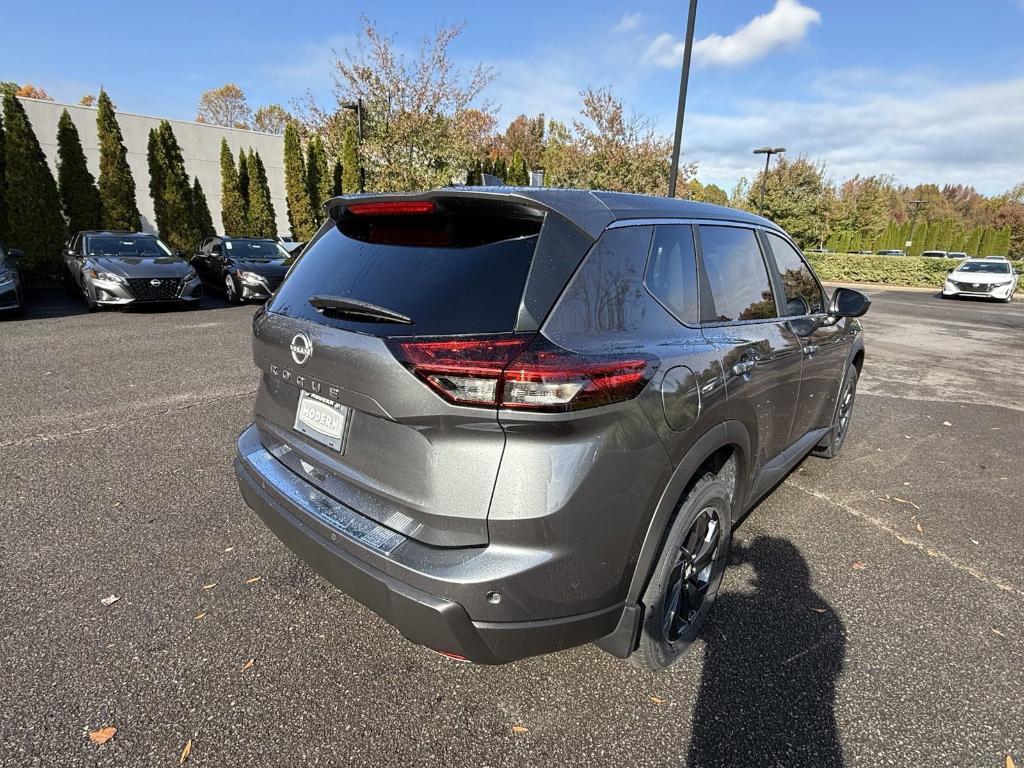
column 200, row 147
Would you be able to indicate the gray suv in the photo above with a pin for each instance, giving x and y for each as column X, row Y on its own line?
column 512, row 421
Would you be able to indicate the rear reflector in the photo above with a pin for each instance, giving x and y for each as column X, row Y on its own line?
column 524, row 372
column 391, row 208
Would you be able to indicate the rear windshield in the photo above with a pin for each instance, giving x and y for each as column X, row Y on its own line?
column 444, row 289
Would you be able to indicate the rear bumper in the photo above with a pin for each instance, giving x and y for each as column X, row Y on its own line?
column 352, row 552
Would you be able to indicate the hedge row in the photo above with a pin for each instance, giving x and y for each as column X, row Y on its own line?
column 888, row 270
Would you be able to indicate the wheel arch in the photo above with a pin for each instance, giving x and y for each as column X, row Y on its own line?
column 723, row 450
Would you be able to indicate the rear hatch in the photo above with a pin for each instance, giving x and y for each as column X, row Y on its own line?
column 378, row 273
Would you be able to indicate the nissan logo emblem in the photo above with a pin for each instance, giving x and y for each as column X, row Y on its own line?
column 302, row 348
column 154, row 282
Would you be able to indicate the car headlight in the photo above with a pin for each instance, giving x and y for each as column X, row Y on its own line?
column 99, row 274
column 191, row 275
column 250, row 278
column 6, row 276
column 1002, row 284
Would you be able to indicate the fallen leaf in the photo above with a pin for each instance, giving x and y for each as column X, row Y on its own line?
column 519, row 729
column 919, row 528
column 906, row 483
column 931, row 552
column 200, row 615
column 248, row 664
column 230, row 549
column 819, row 610
column 185, row 752
column 109, row 600
column 857, row 565
column 211, row 585
column 656, row 700
column 946, row 424
column 253, row 580
column 117, row 503
column 102, row 735
column 975, row 541
column 997, row 632
column 1010, row 763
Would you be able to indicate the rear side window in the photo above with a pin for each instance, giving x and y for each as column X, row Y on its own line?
column 737, row 276
column 445, row 289
column 803, row 296
column 672, row 271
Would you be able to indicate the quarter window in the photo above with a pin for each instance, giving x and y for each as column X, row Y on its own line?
column 672, row 271
column 803, row 295
column 737, row 276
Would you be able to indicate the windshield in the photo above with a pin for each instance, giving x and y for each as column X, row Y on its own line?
column 255, row 250
column 111, row 245
column 992, row 267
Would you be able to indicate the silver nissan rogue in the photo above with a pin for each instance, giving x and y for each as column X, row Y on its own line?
column 512, row 421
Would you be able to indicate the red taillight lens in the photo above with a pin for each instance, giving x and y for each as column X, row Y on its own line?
column 391, row 208
column 524, row 373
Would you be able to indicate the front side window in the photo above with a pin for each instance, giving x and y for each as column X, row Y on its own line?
column 737, row 276
column 672, row 271
column 803, row 296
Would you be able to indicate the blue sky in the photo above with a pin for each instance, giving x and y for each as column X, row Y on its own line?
column 927, row 91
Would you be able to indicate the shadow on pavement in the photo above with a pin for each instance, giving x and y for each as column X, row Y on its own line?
column 50, row 302
column 772, row 657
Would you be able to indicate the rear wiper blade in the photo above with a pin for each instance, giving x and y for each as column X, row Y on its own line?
column 342, row 306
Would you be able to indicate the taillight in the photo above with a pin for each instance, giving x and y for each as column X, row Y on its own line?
column 525, row 373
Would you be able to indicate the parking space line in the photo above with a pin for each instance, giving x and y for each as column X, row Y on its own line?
column 975, row 573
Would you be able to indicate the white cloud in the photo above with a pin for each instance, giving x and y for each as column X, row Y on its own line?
column 946, row 134
column 782, row 27
column 631, row 21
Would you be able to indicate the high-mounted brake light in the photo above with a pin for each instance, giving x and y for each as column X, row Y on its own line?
column 525, row 373
column 391, row 208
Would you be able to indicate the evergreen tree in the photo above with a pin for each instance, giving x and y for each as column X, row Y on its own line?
column 201, row 211
column 318, row 177
column 3, row 184
column 232, row 210
column 80, row 198
column 986, row 242
column 243, row 189
column 351, row 178
column 300, row 212
column 261, row 211
column 336, row 174
column 518, row 173
column 171, row 190
column 973, row 242
column 116, row 185
column 1001, row 242
column 34, row 221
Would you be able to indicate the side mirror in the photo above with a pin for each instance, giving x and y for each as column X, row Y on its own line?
column 180, row 254
column 15, row 252
column 215, row 251
column 71, row 252
column 848, row 303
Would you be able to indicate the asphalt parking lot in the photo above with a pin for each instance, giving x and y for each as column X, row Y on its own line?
column 871, row 615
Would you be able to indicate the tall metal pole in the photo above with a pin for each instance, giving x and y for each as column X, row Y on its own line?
column 764, row 178
column 684, row 79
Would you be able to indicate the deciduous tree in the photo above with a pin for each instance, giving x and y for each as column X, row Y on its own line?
column 797, row 198
column 116, row 184
column 225, row 106
column 271, row 118
column 350, row 180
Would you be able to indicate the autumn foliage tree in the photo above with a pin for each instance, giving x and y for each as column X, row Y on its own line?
column 271, row 118
column 225, row 106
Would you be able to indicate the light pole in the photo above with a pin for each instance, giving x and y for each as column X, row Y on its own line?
column 915, row 206
column 767, row 152
column 357, row 107
column 684, row 79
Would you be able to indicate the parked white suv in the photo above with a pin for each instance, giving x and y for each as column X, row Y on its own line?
column 991, row 278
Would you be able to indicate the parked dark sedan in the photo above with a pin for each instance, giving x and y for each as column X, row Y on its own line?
column 127, row 268
column 12, row 298
column 244, row 268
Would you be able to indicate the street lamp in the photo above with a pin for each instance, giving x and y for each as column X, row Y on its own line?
column 684, row 79
column 915, row 206
column 767, row 152
column 357, row 107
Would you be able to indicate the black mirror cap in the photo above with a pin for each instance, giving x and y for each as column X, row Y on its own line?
column 15, row 253
column 179, row 253
column 847, row 302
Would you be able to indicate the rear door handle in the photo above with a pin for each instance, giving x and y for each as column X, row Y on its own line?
column 810, row 349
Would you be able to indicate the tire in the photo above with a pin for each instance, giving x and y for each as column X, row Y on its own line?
column 231, row 290
column 676, row 606
column 832, row 446
column 92, row 305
